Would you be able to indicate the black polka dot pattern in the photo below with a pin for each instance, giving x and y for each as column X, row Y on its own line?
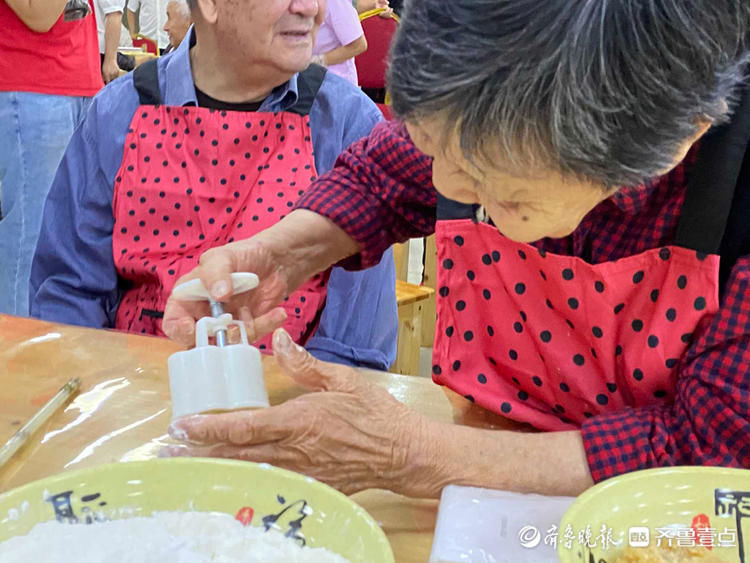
column 183, row 206
column 578, row 323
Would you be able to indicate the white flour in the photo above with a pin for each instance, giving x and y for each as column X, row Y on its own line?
column 165, row 537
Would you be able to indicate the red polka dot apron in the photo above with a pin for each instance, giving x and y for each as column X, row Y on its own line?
column 552, row 340
column 194, row 178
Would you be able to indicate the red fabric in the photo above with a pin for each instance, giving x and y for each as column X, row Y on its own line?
column 193, row 179
column 372, row 64
column 385, row 110
column 64, row 61
column 551, row 340
column 381, row 192
column 150, row 44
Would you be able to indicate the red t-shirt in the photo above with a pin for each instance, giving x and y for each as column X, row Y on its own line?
column 64, row 61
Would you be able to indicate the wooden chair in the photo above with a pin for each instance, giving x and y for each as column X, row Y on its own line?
column 411, row 299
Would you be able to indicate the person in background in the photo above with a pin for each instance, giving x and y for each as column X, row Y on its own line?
column 49, row 70
column 108, row 26
column 206, row 146
column 340, row 40
column 153, row 16
column 178, row 23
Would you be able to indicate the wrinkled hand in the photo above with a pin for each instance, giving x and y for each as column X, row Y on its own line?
column 349, row 433
column 110, row 71
column 257, row 308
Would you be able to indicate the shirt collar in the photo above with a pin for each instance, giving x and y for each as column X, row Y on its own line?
column 631, row 199
column 179, row 88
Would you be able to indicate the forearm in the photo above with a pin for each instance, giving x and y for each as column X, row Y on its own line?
column 380, row 192
column 550, row 463
column 38, row 15
column 304, row 244
column 131, row 22
column 112, row 36
column 345, row 52
column 365, row 6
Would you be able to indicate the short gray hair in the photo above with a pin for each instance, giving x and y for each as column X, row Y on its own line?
column 184, row 6
column 605, row 90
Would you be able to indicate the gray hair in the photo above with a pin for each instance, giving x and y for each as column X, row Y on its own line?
column 605, row 90
column 184, row 6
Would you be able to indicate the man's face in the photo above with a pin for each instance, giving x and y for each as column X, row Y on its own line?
column 177, row 24
column 279, row 33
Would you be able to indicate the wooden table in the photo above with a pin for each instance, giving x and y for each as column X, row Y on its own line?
column 123, row 411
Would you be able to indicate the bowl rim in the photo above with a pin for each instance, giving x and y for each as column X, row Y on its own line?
column 643, row 474
column 382, row 539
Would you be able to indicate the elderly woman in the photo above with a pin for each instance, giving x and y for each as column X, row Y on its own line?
column 590, row 167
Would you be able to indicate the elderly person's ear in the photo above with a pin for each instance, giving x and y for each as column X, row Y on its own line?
column 208, row 10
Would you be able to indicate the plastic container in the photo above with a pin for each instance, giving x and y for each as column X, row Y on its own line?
column 213, row 378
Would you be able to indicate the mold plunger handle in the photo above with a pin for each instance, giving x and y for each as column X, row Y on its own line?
column 217, row 309
column 193, row 290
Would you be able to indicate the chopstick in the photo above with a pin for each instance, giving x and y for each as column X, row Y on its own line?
column 20, row 438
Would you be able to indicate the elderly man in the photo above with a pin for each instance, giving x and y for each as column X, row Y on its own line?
column 585, row 166
column 199, row 149
column 178, row 23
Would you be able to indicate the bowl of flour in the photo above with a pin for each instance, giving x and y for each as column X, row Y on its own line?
column 186, row 511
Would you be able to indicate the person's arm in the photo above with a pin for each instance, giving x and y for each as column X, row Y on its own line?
column 132, row 8
column 38, row 15
column 709, row 421
column 361, row 437
column 345, row 52
column 367, row 5
column 73, row 276
column 379, row 193
column 110, row 70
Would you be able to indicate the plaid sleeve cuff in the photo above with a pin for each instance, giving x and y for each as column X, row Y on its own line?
column 620, row 442
column 380, row 192
column 358, row 213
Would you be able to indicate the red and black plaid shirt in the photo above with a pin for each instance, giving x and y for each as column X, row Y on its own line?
column 381, row 192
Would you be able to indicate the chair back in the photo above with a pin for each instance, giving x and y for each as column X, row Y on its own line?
column 143, row 41
column 372, row 64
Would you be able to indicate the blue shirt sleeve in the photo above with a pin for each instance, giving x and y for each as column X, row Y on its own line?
column 73, row 276
column 359, row 324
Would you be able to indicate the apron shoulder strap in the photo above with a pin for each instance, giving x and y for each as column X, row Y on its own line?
column 146, row 83
column 713, row 181
column 309, row 82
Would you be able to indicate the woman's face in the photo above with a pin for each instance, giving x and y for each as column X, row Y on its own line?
column 525, row 209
